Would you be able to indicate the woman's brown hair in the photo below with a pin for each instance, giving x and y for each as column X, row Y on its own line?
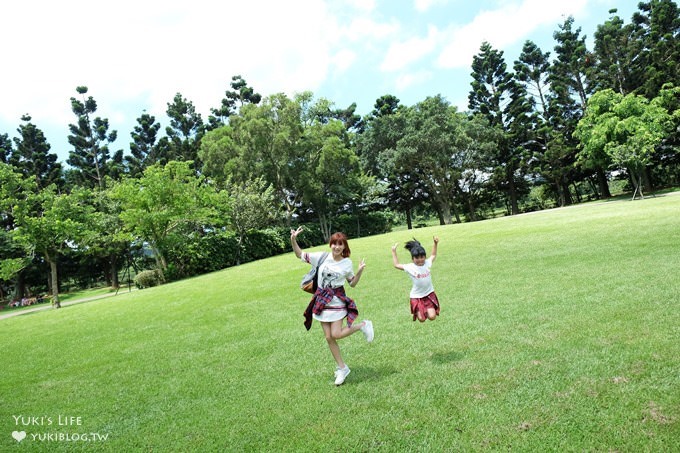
column 340, row 238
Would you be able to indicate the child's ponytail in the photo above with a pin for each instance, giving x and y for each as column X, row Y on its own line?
column 415, row 248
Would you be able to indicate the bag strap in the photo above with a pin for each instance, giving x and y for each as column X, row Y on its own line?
column 323, row 258
column 316, row 273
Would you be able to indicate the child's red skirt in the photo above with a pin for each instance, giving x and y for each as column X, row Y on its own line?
column 421, row 304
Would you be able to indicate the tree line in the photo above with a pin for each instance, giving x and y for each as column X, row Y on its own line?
column 547, row 130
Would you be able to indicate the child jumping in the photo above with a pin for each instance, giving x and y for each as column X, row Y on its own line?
column 424, row 302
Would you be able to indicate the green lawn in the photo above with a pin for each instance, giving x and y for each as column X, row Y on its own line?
column 559, row 331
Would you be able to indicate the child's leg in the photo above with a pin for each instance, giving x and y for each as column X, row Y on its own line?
column 421, row 316
column 431, row 313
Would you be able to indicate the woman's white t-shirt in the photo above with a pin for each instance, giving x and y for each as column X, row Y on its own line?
column 421, row 278
column 334, row 274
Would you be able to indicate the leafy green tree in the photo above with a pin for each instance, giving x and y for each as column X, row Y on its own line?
column 32, row 156
column 475, row 150
column 616, row 50
column 383, row 128
column 107, row 242
column 143, row 145
column 667, row 158
column 433, row 137
column 183, row 136
column 90, row 139
column 550, row 158
column 239, row 95
column 52, row 224
column 658, row 29
column 570, row 81
column 32, row 159
column 626, row 129
column 253, row 206
column 331, row 177
column 572, row 60
column 15, row 192
column 5, row 148
column 162, row 202
column 348, row 116
column 377, row 150
column 220, row 154
column 261, row 141
column 503, row 101
column 533, row 69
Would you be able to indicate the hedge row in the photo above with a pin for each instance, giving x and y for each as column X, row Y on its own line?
column 217, row 250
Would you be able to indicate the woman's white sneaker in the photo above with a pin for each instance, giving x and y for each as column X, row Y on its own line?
column 341, row 374
column 367, row 330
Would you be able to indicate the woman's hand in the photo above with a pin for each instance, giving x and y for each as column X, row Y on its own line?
column 294, row 233
column 357, row 276
column 296, row 248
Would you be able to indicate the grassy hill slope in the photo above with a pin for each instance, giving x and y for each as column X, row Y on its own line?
column 559, row 330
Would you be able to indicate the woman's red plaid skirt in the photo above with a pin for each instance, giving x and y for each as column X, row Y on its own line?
column 421, row 304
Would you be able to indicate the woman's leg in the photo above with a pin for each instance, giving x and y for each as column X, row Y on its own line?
column 338, row 331
column 332, row 344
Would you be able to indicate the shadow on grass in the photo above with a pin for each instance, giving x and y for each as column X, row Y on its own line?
column 446, row 357
column 368, row 374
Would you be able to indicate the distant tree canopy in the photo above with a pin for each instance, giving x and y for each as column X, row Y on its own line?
column 551, row 128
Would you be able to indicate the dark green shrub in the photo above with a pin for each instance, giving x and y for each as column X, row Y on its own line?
column 148, row 278
column 260, row 244
column 364, row 224
column 200, row 254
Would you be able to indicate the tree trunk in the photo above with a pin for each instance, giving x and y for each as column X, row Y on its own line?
column 636, row 179
column 455, row 211
column 444, row 211
column 603, row 184
column 115, row 283
column 578, row 195
column 512, row 192
column 566, row 193
column 54, row 280
column 471, row 208
column 19, row 286
column 647, row 180
column 325, row 226
column 409, row 218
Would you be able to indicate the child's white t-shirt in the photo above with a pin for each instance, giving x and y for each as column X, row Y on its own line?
column 421, row 278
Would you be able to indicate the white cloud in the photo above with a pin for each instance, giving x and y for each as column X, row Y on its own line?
column 153, row 49
column 424, row 5
column 404, row 81
column 401, row 54
column 503, row 27
column 366, row 6
column 343, row 60
column 364, row 27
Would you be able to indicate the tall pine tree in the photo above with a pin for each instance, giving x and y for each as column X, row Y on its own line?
column 503, row 101
column 90, row 139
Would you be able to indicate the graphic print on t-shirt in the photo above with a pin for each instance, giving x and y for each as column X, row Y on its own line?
column 328, row 275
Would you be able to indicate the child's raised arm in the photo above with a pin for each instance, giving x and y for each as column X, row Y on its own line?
column 433, row 255
column 395, row 260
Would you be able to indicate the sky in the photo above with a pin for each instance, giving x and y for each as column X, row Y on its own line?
column 136, row 55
